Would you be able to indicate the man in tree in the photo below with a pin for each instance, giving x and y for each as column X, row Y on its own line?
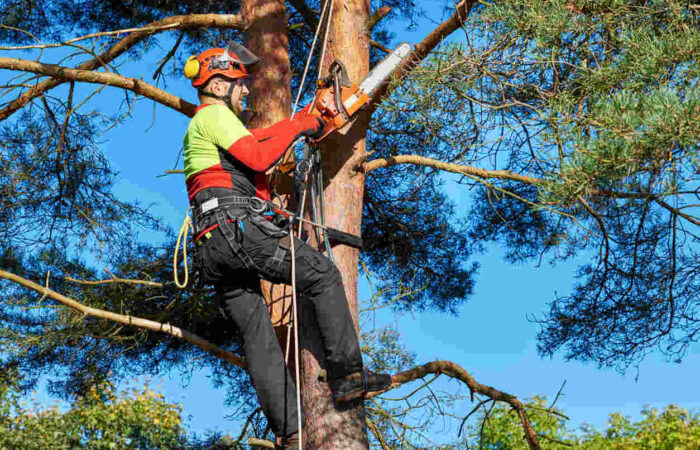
column 225, row 167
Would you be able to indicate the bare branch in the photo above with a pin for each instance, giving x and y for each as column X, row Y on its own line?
column 262, row 443
column 655, row 198
column 377, row 434
column 62, row 74
column 247, row 424
column 453, row 370
column 508, row 175
column 374, row 19
column 114, row 280
column 380, row 46
column 423, row 49
column 310, row 17
column 170, row 54
column 82, row 38
column 448, row 167
column 183, row 23
column 145, row 324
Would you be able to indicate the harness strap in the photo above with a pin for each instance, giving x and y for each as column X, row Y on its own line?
column 280, row 251
column 331, row 236
column 236, row 247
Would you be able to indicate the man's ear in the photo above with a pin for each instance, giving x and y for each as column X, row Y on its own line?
column 219, row 86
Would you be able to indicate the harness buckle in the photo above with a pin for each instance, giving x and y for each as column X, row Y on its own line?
column 257, row 205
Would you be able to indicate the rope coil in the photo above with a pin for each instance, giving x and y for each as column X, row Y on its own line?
column 182, row 237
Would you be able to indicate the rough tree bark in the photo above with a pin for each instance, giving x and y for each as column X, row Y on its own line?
column 326, row 426
column 265, row 26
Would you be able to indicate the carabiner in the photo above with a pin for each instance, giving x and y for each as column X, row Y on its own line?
column 257, row 205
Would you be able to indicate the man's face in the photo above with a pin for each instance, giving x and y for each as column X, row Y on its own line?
column 240, row 91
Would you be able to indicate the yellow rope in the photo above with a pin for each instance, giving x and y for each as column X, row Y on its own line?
column 182, row 237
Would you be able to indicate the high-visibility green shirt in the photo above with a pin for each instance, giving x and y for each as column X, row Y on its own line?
column 220, row 152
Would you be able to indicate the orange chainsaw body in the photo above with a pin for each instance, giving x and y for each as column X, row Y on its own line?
column 325, row 106
column 337, row 100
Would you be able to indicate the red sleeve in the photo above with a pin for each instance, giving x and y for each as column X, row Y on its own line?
column 266, row 146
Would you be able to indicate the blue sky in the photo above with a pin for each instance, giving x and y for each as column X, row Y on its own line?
column 490, row 337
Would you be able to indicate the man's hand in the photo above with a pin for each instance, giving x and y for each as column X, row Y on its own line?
column 309, row 125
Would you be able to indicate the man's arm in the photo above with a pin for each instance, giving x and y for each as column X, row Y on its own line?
column 272, row 142
column 258, row 149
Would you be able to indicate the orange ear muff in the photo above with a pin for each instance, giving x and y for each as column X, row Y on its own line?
column 192, row 67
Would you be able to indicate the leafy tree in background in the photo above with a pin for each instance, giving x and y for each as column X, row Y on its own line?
column 670, row 428
column 573, row 124
column 101, row 419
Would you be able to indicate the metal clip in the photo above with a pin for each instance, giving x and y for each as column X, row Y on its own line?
column 257, row 205
column 303, row 168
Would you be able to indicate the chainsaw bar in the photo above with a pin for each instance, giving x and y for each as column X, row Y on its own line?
column 338, row 100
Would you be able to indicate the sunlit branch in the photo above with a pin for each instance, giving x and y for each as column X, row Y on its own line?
column 449, row 167
column 453, row 370
column 114, row 280
column 187, row 22
column 379, row 46
column 508, row 175
column 377, row 434
column 87, row 36
column 110, row 79
column 376, row 17
column 423, row 48
column 145, row 324
column 262, row 443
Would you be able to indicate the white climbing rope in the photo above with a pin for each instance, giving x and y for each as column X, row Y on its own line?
column 295, row 313
column 311, row 53
column 325, row 39
column 297, row 362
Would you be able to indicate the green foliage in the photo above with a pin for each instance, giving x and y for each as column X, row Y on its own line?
column 81, row 350
column 101, row 419
column 670, row 428
column 594, row 105
column 500, row 429
column 599, row 99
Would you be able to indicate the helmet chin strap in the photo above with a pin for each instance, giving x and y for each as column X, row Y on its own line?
column 226, row 98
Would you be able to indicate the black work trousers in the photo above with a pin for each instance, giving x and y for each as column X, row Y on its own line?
column 241, row 250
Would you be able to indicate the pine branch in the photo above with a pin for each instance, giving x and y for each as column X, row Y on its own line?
column 145, row 324
column 61, row 74
column 187, row 22
column 423, row 49
column 508, row 175
column 449, row 167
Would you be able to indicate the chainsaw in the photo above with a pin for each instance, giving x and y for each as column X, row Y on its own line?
column 337, row 100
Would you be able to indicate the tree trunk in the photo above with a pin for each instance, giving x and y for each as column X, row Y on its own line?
column 327, row 427
column 269, row 101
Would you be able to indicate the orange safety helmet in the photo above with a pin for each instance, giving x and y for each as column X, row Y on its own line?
column 230, row 62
